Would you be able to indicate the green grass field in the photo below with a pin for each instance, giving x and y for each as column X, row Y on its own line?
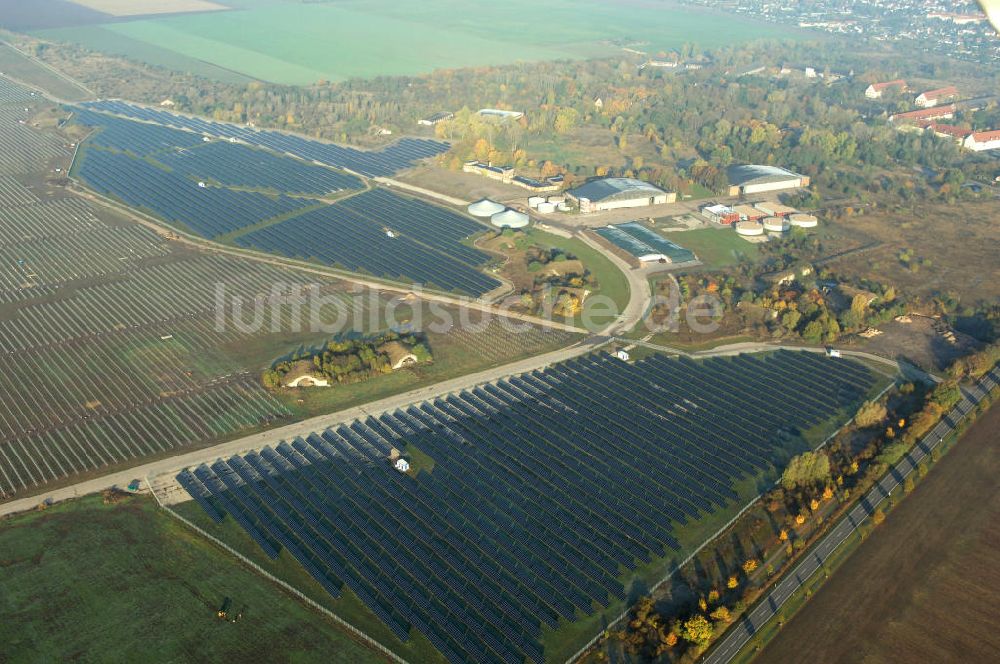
column 300, row 43
column 715, row 247
column 87, row 582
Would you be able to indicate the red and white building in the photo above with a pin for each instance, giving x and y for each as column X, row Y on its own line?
column 936, row 113
column 875, row 90
column 983, row 140
column 949, row 131
column 935, row 97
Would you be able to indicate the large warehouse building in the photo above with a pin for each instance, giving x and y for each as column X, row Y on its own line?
column 756, row 179
column 615, row 193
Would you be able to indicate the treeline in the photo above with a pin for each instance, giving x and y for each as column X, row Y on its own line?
column 678, row 129
column 349, row 359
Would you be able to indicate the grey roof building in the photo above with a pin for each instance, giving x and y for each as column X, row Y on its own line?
column 610, row 193
column 754, row 178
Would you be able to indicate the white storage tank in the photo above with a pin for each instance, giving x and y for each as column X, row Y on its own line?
column 749, row 228
column 484, row 207
column 546, row 208
column 564, row 207
column 557, row 199
column 803, row 220
column 509, row 219
column 533, row 201
column 776, row 225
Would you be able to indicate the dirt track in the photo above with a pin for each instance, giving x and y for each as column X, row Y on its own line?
column 922, row 587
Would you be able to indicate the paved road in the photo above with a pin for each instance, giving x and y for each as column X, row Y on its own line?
column 640, row 293
column 173, row 464
column 741, row 633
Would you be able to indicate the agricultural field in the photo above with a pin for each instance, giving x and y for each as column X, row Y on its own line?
column 126, row 578
column 301, row 43
column 923, row 573
column 429, row 552
column 925, row 257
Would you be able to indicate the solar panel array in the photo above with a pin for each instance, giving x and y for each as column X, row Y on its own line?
column 208, row 211
column 546, row 487
column 372, row 163
column 237, row 165
column 425, row 246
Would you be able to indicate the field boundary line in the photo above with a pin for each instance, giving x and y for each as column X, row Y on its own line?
column 369, row 641
column 44, row 65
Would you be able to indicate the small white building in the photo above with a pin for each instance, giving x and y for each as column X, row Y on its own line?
column 875, row 90
column 402, row 465
column 622, row 355
column 980, row 141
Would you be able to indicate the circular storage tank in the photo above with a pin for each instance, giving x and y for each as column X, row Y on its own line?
column 533, row 201
column 484, row 207
column 776, row 225
column 509, row 219
column 557, row 199
column 545, row 208
column 803, row 220
column 564, row 207
column 749, row 228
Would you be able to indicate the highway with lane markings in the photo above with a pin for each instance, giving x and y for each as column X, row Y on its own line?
column 740, row 633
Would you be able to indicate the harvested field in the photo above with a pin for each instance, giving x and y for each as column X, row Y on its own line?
column 918, row 589
column 147, row 7
column 953, row 250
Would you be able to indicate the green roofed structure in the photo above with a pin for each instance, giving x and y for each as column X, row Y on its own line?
column 646, row 245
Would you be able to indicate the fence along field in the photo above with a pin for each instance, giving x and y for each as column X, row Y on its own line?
column 164, row 171
column 547, row 490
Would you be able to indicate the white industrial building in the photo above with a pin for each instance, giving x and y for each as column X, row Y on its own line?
column 756, row 179
column 616, row 193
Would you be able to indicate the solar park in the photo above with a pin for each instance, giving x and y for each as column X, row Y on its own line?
column 240, row 194
column 353, row 234
column 371, row 163
column 542, row 499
